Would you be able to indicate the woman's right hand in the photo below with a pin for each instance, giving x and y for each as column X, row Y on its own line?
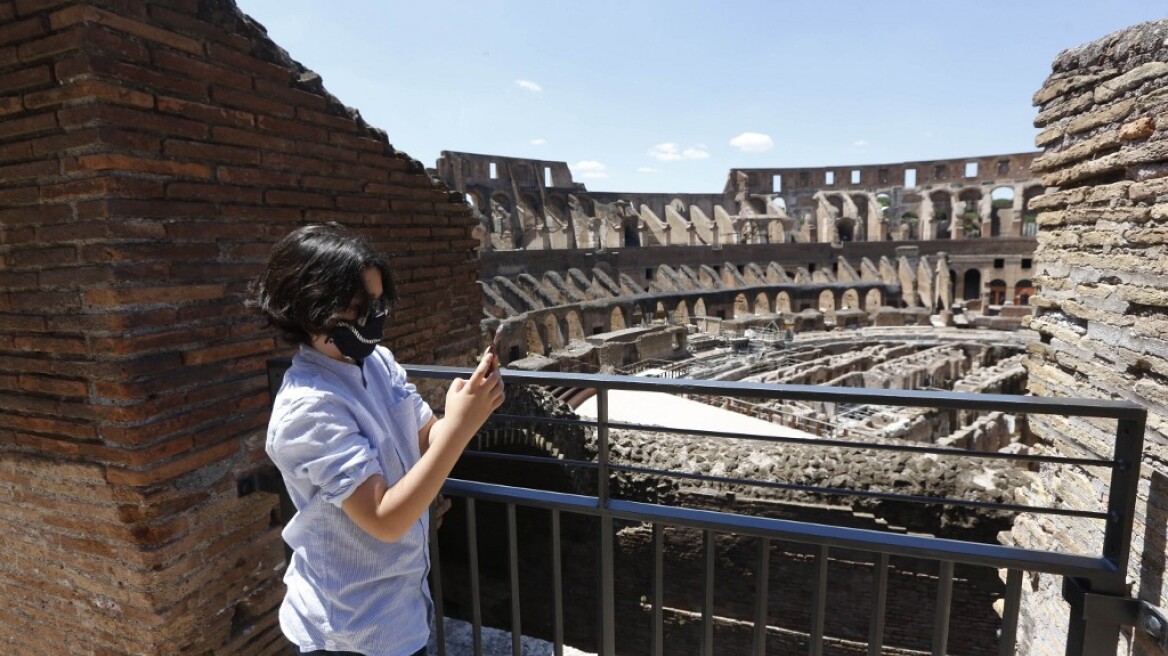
column 470, row 402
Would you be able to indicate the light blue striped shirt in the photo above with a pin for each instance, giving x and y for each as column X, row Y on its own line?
column 333, row 426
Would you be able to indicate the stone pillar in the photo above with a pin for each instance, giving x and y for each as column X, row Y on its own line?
column 1101, row 305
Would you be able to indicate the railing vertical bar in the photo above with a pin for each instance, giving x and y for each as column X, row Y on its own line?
column 436, row 587
column 513, row 558
column 943, row 606
column 476, row 611
column 1121, row 501
column 607, row 564
column 879, row 606
column 708, row 597
column 819, row 604
column 762, row 573
column 1009, row 635
column 557, row 585
column 658, row 590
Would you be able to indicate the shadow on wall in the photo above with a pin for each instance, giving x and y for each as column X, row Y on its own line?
column 1155, row 530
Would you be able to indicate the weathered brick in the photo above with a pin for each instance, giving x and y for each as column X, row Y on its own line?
column 84, row 14
column 150, row 295
column 199, row 69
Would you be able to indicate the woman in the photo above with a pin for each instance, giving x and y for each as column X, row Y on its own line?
column 361, row 453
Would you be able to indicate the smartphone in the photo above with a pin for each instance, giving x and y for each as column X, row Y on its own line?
column 493, row 349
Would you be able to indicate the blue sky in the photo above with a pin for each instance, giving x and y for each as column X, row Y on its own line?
column 667, row 96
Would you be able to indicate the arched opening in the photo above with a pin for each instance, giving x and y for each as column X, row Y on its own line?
column 850, row 299
column 699, row 308
column 779, row 205
column 762, row 304
column 681, row 314
column 638, row 316
column 660, row 313
column 575, row 327
column 827, row 305
column 873, row 299
column 997, row 289
column 616, row 320
column 942, row 206
column 911, row 226
column 554, row 335
column 1030, row 215
column 532, row 337
column 1023, row 290
column 971, row 285
column 970, row 213
column 885, row 201
column 741, row 306
column 846, row 228
column 1001, row 209
column 782, row 302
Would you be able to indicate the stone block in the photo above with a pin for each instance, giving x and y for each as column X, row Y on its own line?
column 1137, row 129
column 1135, row 77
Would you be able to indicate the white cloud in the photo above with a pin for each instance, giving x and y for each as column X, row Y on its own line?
column 538, row 141
column 647, row 169
column 589, row 169
column 671, row 152
column 529, row 85
column 861, row 143
column 753, row 142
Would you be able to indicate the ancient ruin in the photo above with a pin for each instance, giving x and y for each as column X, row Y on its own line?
column 150, row 153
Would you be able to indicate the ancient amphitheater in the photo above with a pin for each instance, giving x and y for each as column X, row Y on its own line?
column 901, row 276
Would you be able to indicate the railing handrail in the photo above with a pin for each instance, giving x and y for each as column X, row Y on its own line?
column 1012, row 403
column 860, row 539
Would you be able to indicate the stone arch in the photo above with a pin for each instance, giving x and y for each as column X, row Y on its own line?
column 475, row 199
column 873, row 299
column 575, row 326
column 699, row 308
column 532, row 338
column 553, row 334
column 681, row 313
column 827, row 304
column 997, row 290
column 638, row 316
column 912, row 225
column 845, row 227
column 971, row 285
column 741, row 306
column 762, row 304
column 850, row 299
column 1023, row 290
column 782, row 302
column 970, row 214
column 616, row 319
column 1001, row 207
column 942, row 204
column 1029, row 215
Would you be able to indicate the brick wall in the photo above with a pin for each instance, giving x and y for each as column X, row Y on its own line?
column 150, row 154
column 1103, row 292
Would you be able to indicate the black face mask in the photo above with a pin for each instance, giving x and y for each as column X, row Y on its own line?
column 357, row 341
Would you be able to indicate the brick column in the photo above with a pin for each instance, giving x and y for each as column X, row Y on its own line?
column 150, row 154
column 1101, row 297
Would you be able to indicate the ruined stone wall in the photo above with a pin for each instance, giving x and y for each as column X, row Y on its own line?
column 1102, row 293
column 150, row 154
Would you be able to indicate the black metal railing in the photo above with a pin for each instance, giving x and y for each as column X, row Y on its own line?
column 1087, row 578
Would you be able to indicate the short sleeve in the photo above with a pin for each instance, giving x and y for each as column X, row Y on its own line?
column 318, row 440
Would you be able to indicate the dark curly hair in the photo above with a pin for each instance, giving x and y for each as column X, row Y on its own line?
column 311, row 276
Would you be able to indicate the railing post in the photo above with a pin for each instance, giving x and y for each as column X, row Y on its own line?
column 607, row 576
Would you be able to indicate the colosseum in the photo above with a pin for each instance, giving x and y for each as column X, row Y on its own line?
column 150, row 154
